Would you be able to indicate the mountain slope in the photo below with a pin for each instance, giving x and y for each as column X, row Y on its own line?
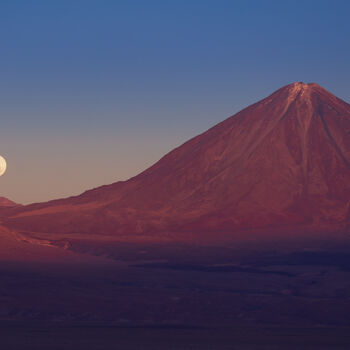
column 282, row 163
column 4, row 202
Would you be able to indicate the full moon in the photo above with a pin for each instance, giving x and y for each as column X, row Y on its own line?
column 2, row 165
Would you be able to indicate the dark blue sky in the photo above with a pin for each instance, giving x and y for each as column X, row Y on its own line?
column 95, row 91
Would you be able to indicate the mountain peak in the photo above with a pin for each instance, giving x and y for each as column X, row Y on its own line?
column 283, row 163
column 309, row 94
column 297, row 89
column 300, row 86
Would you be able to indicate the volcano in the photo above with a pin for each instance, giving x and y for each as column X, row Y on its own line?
column 280, row 165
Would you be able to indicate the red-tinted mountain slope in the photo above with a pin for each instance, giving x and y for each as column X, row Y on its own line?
column 282, row 163
column 4, row 202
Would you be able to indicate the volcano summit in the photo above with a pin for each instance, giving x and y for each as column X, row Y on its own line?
column 280, row 165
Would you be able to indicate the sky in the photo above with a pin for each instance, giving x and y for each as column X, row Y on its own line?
column 95, row 91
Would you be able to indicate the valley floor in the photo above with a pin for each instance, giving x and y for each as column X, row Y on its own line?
column 55, row 337
column 177, row 297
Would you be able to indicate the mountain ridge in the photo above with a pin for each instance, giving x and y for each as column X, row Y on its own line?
column 5, row 202
column 282, row 162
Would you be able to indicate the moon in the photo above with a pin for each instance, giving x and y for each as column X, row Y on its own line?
column 2, row 165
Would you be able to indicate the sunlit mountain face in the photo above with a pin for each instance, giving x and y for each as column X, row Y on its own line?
column 5, row 202
column 280, row 167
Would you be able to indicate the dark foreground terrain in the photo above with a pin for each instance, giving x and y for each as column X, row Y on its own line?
column 92, row 337
column 178, row 297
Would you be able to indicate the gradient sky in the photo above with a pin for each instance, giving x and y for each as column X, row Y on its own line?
column 92, row 92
